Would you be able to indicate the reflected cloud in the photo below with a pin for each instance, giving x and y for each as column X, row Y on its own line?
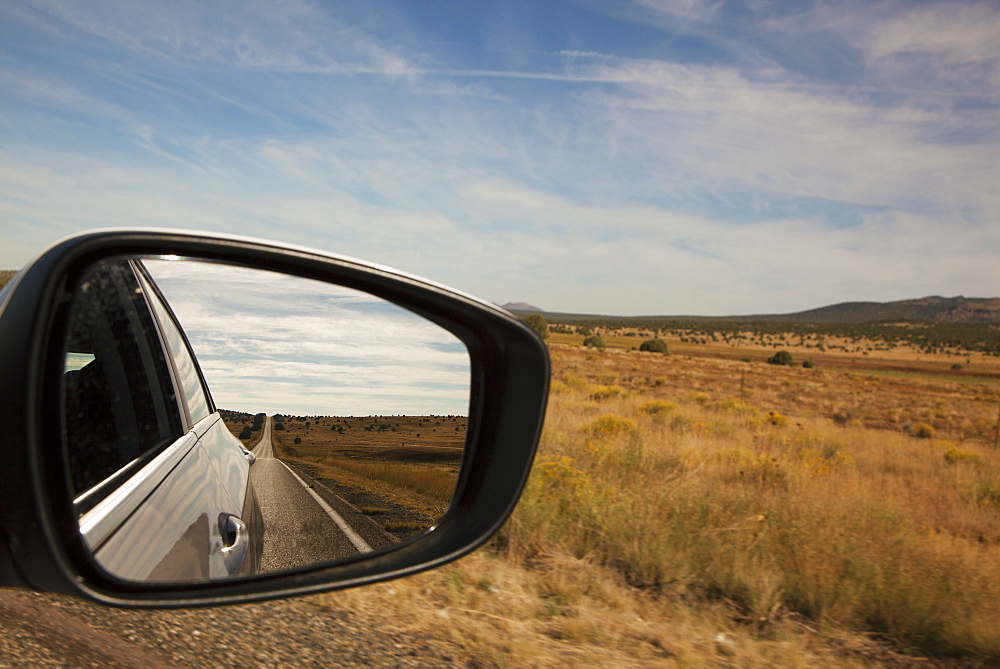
column 281, row 344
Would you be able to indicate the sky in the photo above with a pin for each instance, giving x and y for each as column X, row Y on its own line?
column 630, row 158
column 280, row 344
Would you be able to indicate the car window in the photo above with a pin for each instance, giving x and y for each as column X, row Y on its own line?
column 119, row 404
column 188, row 376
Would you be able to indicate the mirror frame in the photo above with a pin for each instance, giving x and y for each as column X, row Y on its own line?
column 40, row 545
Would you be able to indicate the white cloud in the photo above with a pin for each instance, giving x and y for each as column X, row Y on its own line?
column 292, row 344
column 693, row 9
column 793, row 139
column 954, row 32
column 579, row 180
column 291, row 37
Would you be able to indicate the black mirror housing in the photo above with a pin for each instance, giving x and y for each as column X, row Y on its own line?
column 40, row 543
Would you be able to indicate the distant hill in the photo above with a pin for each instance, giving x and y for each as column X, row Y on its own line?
column 933, row 308
column 522, row 307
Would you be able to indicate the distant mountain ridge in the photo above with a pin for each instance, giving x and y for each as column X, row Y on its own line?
column 522, row 307
column 933, row 308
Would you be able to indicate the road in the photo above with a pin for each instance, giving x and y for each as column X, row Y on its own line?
column 300, row 529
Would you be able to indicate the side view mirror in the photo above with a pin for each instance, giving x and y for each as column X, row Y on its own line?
column 193, row 419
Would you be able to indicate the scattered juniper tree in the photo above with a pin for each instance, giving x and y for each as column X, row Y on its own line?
column 781, row 358
column 655, row 346
column 537, row 323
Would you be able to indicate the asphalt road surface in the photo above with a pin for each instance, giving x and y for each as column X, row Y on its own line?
column 300, row 529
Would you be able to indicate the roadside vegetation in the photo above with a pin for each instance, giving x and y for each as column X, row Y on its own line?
column 244, row 426
column 705, row 511
column 410, row 460
column 5, row 276
column 913, row 338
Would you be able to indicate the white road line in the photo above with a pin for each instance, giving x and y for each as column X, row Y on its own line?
column 355, row 538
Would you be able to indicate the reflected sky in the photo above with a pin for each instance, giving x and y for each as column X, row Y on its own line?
column 280, row 344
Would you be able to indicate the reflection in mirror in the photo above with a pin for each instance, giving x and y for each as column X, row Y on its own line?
column 340, row 422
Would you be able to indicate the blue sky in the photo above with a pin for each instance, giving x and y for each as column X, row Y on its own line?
column 648, row 157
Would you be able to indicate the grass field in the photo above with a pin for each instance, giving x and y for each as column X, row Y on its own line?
column 690, row 510
column 409, row 460
column 837, row 353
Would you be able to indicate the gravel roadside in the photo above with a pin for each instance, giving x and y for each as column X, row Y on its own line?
column 53, row 630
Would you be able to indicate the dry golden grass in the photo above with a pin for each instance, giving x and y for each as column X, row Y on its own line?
column 838, row 353
column 411, row 460
column 426, row 489
column 714, row 512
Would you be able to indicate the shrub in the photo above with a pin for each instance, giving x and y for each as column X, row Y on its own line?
column 298, row 440
column 537, row 323
column 594, row 341
column 655, row 407
column 777, row 419
column 246, row 433
column 610, row 425
column 923, row 431
column 654, row 346
column 557, row 387
column 780, row 358
column 279, row 426
column 605, row 392
column 808, row 364
column 956, row 455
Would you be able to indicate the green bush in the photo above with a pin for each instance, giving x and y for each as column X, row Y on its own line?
column 279, row 426
column 808, row 364
column 654, row 346
column 605, row 392
column 956, row 455
column 781, row 358
column 594, row 341
column 246, row 433
column 537, row 323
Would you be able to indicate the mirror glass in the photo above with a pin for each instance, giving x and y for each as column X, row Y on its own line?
column 222, row 421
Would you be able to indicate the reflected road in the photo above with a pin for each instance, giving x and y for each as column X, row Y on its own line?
column 298, row 531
